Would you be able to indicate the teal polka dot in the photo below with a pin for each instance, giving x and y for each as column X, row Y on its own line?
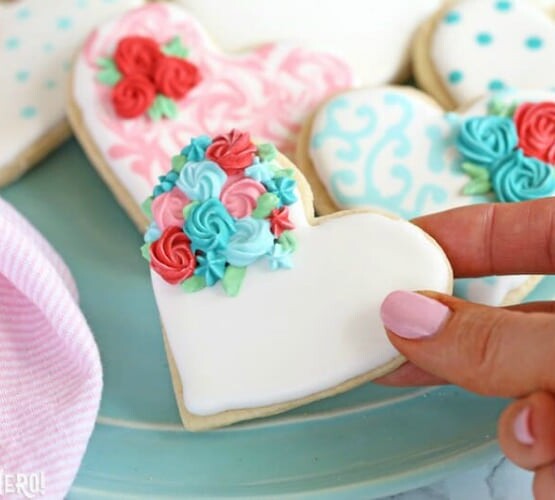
column 484, row 38
column 50, row 84
column 22, row 76
column 23, row 13
column 48, row 47
column 503, row 5
column 455, row 77
column 28, row 112
column 12, row 43
column 496, row 85
column 452, row 17
column 81, row 4
column 534, row 43
column 64, row 23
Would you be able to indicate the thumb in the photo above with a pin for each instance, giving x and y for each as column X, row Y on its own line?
column 492, row 351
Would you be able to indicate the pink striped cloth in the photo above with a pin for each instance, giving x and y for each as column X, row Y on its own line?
column 50, row 372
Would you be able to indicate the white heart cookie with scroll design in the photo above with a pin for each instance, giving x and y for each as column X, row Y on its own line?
column 373, row 36
column 303, row 322
column 151, row 79
column 395, row 149
column 472, row 47
column 37, row 42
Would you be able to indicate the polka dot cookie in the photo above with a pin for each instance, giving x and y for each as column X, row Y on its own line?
column 474, row 47
column 37, row 42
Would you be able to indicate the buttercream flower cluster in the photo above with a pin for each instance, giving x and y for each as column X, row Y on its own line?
column 222, row 207
column 511, row 151
column 147, row 78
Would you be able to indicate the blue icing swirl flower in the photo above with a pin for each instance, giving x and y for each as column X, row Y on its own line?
column 284, row 188
column 252, row 240
column 211, row 267
column 484, row 140
column 518, row 178
column 165, row 183
column 209, row 226
column 201, row 180
column 260, row 171
column 196, row 149
column 152, row 233
column 280, row 258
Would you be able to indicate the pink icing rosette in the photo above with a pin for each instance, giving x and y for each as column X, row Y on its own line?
column 240, row 196
column 167, row 209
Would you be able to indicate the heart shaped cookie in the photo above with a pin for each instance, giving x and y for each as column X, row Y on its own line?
column 374, row 36
column 37, row 43
column 264, row 307
column 473, row 47
column 148, row 81
column 395, row 149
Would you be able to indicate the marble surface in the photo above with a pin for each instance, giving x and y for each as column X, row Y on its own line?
column 497, row 480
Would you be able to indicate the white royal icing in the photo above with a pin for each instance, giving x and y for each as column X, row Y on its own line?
column 394, row 149
column 373, row 36
column 293, row 333
column 486, row 45
column 38, row 40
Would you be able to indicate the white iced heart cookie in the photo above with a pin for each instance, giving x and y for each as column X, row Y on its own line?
column 395, row 149
column 151, row 79
column 373, row 36
column 37, row 43
column 265, row 308
column 477, row 46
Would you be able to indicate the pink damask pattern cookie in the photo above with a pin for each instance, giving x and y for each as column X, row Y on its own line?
column 269, row 91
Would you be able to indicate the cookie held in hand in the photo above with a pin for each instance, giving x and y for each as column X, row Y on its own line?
column 264, row 307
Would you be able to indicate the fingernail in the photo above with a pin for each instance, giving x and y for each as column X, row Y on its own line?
column 413, row 316
column 521, row 427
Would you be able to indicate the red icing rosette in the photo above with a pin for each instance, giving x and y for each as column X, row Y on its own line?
column 535, row 123
column 137, row 55
column 175, row 77
column 132, row 96
column 233, row 151
column 171, row 256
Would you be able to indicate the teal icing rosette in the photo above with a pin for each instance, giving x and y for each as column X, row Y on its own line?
column 222, row 207
column 519, row 178
column 209, row 226
column 484, row 140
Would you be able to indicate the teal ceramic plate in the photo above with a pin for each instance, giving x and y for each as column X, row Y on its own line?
column 367, row 443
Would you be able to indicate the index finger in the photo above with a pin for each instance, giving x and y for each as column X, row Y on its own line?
column 496, row 238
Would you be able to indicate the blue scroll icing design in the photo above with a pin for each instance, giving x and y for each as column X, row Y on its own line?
column 396, row 140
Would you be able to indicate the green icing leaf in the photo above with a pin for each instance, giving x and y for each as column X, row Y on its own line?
column 145, row 251
column 109, row 73
column 233, row 280
column 497, row 107
column 475, row 171
column 284, row 172
column 193, row 284
column 264, row 206
column 187, row 208
column 267, row 152
column 480, row 183
column 477, row 187
column 146, row 207
column 178, row 162
column 175, row 48
column 162, row 107
column 288, row 241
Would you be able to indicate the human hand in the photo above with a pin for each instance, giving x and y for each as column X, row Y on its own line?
column 506, row 351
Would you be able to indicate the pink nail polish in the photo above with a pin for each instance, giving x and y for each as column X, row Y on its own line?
column 413, row 316
column 521, row 427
